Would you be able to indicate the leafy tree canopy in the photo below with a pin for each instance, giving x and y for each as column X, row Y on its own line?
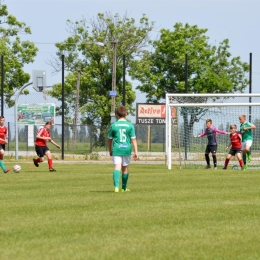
column 95, row 64
column 211, row 69
column 16, row 53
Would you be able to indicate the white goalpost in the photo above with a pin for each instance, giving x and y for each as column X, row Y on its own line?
column 185, row 118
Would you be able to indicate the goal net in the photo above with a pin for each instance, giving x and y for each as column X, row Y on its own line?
column 185, row 118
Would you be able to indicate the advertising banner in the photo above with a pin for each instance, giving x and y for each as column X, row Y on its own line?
column 35, row 114
column 153, row 114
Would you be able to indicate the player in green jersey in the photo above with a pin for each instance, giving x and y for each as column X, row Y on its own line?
column 247, row 138
column 121, row 138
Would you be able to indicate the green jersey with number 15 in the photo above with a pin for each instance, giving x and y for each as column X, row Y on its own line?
column 121, row 132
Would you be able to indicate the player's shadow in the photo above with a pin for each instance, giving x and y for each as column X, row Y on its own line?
column 105, row 191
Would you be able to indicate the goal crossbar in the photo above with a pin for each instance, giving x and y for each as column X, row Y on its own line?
column 213, row 104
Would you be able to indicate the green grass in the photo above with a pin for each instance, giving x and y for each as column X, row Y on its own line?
column 176, row 214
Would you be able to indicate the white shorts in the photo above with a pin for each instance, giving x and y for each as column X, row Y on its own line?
column 246, row 144
column 123, row 160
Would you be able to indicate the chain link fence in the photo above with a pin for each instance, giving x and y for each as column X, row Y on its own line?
column 79, row 140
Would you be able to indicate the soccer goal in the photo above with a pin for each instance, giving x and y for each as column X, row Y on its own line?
column 185, row 118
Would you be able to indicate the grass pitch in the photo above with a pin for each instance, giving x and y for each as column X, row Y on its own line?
column 176, row 214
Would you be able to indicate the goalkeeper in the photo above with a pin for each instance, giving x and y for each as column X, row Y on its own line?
column 211, row 133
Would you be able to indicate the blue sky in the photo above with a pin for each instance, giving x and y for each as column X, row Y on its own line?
column 237, row 20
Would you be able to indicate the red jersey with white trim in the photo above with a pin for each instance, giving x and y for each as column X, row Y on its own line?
column 43, row 133
column 3, row 133
column 235, row 141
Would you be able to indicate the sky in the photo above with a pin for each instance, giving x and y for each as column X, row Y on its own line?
column 236, row 20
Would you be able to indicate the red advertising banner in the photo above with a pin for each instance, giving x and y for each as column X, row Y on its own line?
column 153, row 114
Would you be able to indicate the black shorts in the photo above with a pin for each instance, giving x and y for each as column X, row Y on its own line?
column 41, row 150
column 211, row 149
column 233, row 152
column 2, row 146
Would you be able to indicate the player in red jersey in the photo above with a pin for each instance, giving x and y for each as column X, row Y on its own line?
column 3, row 141
column 236, row 145
column 41, row 148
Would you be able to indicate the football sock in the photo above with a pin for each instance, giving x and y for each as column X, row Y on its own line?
column 124, row 180
column 50, row 163
column 207, row 159
column 37, row 160
column 226, row 163
column 244, row 158
column 2, row 165
column 248, row 152
column 214, row 160
column 116, row 178
column 241, row 163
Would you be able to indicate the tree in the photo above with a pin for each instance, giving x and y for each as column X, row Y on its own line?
column 16, row 53
column 211, row 69
column 95, row 64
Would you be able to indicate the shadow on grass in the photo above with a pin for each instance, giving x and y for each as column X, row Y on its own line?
column 109, row 191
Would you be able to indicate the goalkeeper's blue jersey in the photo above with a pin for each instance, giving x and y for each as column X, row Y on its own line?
column 211, row 134
column 122, row 133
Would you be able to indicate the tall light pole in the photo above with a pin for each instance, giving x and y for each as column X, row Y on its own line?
column 62, row 104
column 124, row 67
column 113, row 92
column 2, row 84
column 250, row 84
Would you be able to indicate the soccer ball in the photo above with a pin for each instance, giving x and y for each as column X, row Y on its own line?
column 17, row 168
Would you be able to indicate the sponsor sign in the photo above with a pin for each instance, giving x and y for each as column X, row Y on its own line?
column 153, row 114
column 35, row 114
